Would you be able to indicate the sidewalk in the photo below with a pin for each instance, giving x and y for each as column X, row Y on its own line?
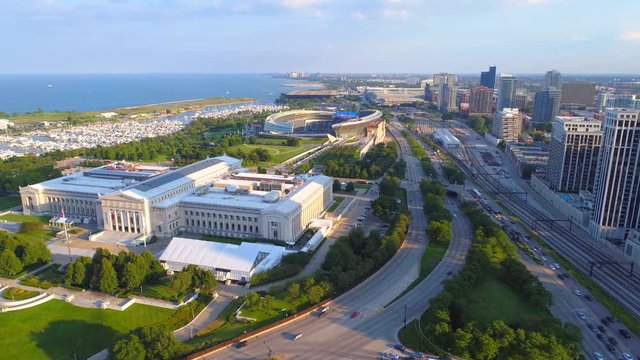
column 208, row 315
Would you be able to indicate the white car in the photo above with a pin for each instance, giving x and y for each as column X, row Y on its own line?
column 298, row 336
column 581, row 315
column 627, row 356
column 598, row 356
column 577, row 292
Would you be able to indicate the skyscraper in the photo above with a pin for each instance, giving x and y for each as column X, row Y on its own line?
column 617, row 183
column 507, row 124
column 575, row 145
column 546, row 105
column 446, row 91
column 488, row 78
column 579, row 93
column 506, row 92
column 553, row 78
column 480, row 101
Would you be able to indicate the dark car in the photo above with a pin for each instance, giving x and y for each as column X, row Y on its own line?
column 241, row 344
column 601, row 337
column 592, row 327
column 602, row 329
column 625, row 334
column 399, row 347
column 604, row 321
column 588, row 297
column 612, row 341
column 611, row 348
column 560, row 276
column 611, row 319
column 566, row 276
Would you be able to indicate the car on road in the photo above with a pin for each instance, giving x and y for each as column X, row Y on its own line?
column 241, row 344
column 560, row 276
column 592, row 327
column 581, row 315
column 625, row 334
column 355, row 314
column 577, row 292
column 612, row 341
column 598, row 356
column 604, row 321
column 611, row 319
column 602, row 329
column 611, row 348
column 627, row 356
column 298, row 336
column 601, row 337
column 588, row 297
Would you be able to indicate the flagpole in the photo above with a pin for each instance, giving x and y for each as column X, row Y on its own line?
column 66, row 233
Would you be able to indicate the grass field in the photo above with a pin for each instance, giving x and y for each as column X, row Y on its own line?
column 42, row 234
column 57, row 330
column 7, row 202
column 173, row 106
column 280, row 153
column 16, row 294
column 46, row 278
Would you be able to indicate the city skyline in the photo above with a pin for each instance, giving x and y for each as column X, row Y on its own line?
column 258, row 37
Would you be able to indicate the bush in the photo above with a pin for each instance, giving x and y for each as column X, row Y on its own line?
column 290, row 265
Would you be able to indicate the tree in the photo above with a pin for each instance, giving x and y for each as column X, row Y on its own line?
column 440, row 231
column 350, row 186
column 132, row 276
column 315, row 294
column 10, row 265
column 76, row 273
column 336, row 185
column 129, row 348
column 502, row 145
column 181, row 282
column 251, row 299
column 160, row 344
column 108, row 277
column 294, row 290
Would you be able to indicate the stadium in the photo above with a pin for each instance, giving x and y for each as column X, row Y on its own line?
column 313, row 122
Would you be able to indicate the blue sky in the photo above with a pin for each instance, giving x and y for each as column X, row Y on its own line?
column 231, row 36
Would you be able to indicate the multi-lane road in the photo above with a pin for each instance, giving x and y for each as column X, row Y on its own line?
column 339, row 335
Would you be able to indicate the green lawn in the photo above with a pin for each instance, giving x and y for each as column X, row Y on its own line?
column 337, row 200
column 7, row 202
column 46, row 278
column 18, row 294
column 57, row 330
column 280, row 153
column 43, row 234
column 492, row 300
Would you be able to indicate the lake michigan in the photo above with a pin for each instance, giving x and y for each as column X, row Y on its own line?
column 26, row 93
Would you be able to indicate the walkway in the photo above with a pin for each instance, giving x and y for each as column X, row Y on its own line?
column 208, row 315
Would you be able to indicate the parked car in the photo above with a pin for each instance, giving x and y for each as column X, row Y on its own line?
column 241, row 344
column 399, row 347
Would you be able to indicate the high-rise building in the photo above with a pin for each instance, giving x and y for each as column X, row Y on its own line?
column 617, row 183
column 553, row 78
column 575, row 145
column 480, row 101
column 506, row 92
column 579, row 93
column 507, row 124
column 488, row 78
column 546, row 105
column 446, row 91
column 601, row 101
column 621, row 101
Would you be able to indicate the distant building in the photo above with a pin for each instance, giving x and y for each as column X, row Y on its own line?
column 488, row 78
column 553, row 78
column 601, row 101
column 506, row 92
column 546, row 105
column 108, row 115
column 528, row 159
column 622, row 101
column 521, row 99
column 446, row 91
column 445, row 138
column 312, row 94
column 579, row 93
column 575, row 145
column 507, row 124
column 617, row 182
column 480, row 101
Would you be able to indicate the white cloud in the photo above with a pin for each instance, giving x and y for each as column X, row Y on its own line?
column 300, row 4
column 397, row 14
column 630, row 36
column 359, row 15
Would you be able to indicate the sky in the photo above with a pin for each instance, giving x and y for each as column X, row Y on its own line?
column 343, row 36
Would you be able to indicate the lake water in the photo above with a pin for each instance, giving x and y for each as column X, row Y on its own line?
column 25, row 93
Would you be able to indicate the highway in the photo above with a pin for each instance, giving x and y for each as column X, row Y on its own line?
column 338, row 335
column 566, row 302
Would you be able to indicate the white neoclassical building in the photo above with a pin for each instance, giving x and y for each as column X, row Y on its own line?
column 212, row 196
